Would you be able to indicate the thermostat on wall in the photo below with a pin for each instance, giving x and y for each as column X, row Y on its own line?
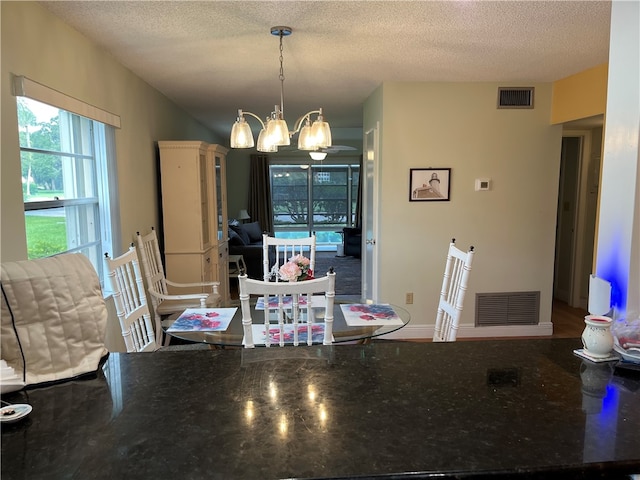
column 483, row 184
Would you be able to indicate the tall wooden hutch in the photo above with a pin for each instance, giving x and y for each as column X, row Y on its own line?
column 194, row 211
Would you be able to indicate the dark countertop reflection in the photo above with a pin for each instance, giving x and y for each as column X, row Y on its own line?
column 528, row 408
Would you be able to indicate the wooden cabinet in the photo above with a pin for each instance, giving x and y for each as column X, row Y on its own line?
column 194, row 212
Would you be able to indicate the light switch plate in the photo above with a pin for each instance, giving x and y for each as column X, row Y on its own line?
column 483, row 184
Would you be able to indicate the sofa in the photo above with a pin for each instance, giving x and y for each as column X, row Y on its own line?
column 352, row 241
column 246, row 239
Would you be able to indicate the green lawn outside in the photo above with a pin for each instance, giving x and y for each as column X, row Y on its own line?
column 37, row 195
column 45, row 236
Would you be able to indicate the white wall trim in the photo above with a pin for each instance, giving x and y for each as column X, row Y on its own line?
column 425, row 332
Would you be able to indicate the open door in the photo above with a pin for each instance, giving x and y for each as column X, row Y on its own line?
column 577, row 211
column 370, row 216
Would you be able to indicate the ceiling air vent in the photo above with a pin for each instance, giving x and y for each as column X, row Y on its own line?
column 515, row 97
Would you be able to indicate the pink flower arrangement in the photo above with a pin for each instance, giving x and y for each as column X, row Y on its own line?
column 296, row 269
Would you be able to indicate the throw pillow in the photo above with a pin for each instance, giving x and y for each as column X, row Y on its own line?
column 241, row 233
column 253, row 231
column 234, row 238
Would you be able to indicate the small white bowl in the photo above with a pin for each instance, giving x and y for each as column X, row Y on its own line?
column 17, row 412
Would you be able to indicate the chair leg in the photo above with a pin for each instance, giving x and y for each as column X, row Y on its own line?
column 164, row 338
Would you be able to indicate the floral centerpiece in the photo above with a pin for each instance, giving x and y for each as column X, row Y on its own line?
column 296, row 269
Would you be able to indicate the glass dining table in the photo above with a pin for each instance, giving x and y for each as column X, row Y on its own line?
column 343, row 332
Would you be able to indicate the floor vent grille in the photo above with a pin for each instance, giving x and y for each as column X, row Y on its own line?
column 515, row 97
column 510, row 308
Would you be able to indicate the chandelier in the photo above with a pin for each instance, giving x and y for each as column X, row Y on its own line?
column 275, row 131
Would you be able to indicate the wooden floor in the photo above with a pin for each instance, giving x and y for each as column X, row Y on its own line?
column 568, row 322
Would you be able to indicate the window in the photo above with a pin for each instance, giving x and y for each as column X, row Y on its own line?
column 315, row 198
column 68, row 182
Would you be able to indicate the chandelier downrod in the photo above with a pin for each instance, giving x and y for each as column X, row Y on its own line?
column 281, row 32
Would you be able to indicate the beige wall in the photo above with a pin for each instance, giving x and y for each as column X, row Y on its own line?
column 512, row 226
column 41, row 47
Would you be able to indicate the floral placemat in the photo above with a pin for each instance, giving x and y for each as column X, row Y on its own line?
column 203, row 320
column 362, row 314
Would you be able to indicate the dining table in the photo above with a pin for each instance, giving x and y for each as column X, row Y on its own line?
column 507, row 408
column 343, row 332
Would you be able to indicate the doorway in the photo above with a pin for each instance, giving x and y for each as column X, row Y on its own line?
column 576, row 215
column 370, row 215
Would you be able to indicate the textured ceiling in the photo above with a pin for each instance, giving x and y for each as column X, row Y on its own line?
column 214, row 57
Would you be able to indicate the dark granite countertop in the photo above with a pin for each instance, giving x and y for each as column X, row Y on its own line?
column 386, row 410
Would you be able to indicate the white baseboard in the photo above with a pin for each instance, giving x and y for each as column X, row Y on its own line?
column 425, row 332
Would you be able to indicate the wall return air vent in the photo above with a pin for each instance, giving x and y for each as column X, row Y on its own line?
column 507, row 308
column 515, row 97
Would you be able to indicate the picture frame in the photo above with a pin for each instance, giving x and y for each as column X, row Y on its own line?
column 429, row 184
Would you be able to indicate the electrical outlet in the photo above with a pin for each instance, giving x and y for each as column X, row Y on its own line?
column 409, row 299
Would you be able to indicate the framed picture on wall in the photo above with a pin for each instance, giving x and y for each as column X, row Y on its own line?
column 429, row 184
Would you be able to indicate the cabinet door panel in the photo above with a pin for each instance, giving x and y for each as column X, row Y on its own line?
column 194, row 213
column 186, row 196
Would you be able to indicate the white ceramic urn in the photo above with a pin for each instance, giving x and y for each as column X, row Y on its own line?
column 597, row 338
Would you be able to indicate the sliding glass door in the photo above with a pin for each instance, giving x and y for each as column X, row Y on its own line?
column 314, row 198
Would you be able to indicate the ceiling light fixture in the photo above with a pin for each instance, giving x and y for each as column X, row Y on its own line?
column 275, row 131
column 318, row 155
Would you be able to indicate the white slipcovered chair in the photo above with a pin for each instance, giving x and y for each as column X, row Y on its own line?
column 285, row 248
column 53, row 318
column 454, row 287
column 289, row 309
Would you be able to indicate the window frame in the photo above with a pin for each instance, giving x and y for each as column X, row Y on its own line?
column 102, row 137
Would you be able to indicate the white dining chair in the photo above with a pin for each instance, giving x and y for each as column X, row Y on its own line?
column 164, row 303
column 290, row 309
column 131, row 301
column 132, row 307
column 454, row 287
column 285, row 248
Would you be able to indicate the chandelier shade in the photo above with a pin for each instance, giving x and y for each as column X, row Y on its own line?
column 277, row 129
column 321, row 133
column 264, row 145
column 305, row 140
column 241, row 136
column 275, row 132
